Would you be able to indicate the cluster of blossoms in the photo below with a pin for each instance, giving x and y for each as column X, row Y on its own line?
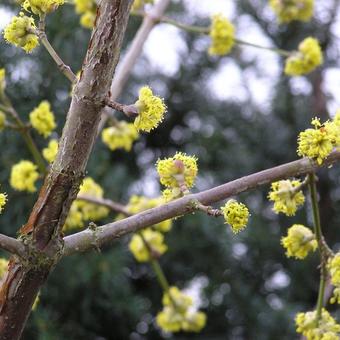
column 179, row 314
column 20, row 32
column 139, row 4
column 306, row 59
column 151, row 110
column 149, row 243
column 3, row 201
column 299, row 241
column 42, row 119
column 236, row 215
column 23, row 176
column 289, row 10
column 81, row 210
column 50, row 152
column 120, row 136
column 87, row 9
column 41, row 7
column 325, row 328
column 178, row 174
column 222, row 34
column 319, row 142
column 286, row 197
column 334, row 271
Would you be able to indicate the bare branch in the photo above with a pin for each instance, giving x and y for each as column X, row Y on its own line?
column 119, row 208
column 12, row 245
column 83, row 241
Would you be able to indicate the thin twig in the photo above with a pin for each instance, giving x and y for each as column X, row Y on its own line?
column 81, row 241
column 64, row 69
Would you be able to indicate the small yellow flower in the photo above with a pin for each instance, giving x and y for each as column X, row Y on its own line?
column 316, row 143
column 3, row 267
column 87, row 9
column 306, row 59
column 222, row 34
column 299, row 241
column 176, row 171
column 51, row 151
column 23, row 176
column 336, row 295
column 154, row 240
column 2, row 120
column 140, row 203
column 42, row 119
column 324, row 329
column 139, row 4
column 41, row 7
column 236, row 215
column 178, row 313
column 151, row 110
column 3, row 201
column 19, row 33
column 2, row 79
column 120, row 136
column 288, row 11
column 334, row 269
column 82, row 210
column 285, row 198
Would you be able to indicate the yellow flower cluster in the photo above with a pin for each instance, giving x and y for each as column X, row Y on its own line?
column 42, row 119
column 120, row 136
column 41, row 7
column 3, row 201
column 334, row 271
column 306, row 59
column 87, row 9
column 19, row 33
column 236, row 215
column 147, row 245
column 286, row 199
column 299, row 241
column 141, row 203
column 151, row 110
column 139, row 4
column 177, row 173
column 222, row 34
column 178, row 313
column 3, row 267
column 319, row 142
column 324, row 329
column 81, row 210
column 50, row 152
column 289, row 10
column 2, row 79
column 2, row 120
column 23, row 176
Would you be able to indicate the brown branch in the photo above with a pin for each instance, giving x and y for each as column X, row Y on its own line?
column 43, row 231
column 83, row 241
column 117, row 207
column 12, row 246
column 135, row 50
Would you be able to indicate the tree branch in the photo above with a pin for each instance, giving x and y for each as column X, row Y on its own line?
column 84, row 240
column 12, row 245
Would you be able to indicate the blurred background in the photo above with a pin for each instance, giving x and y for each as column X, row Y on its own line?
column 238, row 114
